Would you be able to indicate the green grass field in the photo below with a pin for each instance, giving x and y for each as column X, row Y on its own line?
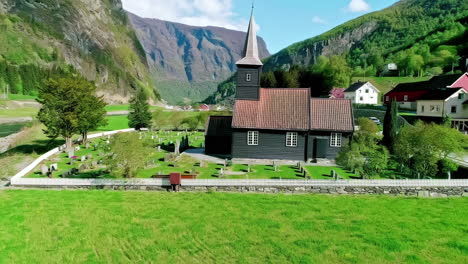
column 385, row 84
column 140, row 227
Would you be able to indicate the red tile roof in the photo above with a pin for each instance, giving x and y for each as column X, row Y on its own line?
column 278, row 108
column 293, row 109
column 331, row 115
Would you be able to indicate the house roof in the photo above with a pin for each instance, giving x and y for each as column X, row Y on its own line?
column 441, row 94
column 251, row 46
column 337, row 93
column 355, row 86
column 218, row 126
column 434, row 83
column 331, row 115
column 293, row 109
column 277, row 108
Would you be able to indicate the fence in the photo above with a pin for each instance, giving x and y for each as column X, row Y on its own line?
column 227, row 183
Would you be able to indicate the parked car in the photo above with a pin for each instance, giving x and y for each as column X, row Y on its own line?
column 375, row 120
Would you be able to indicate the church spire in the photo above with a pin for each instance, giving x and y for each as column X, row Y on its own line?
column 251, row 45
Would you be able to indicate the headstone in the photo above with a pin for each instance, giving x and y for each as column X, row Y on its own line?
column 89, row 156
column 83, row 158
column 54, row 167
column 94, row 164
column 44, row 170
column 81, row 168
column 225, row 163
column 177, row 148
column 77, row 148
column 71, row 154
column 159, row 148
column 72, row 161
column 88, row 145
column 248, row 168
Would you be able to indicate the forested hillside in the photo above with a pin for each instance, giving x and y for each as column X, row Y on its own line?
column 423, row 37
column 57, row 37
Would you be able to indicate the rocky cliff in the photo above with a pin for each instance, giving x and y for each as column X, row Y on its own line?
column 93, row 36
column 188, row 62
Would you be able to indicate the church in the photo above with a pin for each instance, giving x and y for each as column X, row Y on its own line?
column 277, row 123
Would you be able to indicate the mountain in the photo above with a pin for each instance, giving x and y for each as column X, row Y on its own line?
column 188, row 62
column 418, row 35
column 380, row 34
column 93, row 37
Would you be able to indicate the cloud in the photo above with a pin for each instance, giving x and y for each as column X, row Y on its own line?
column 192, row 12
column 318, row 20
column 358, row 6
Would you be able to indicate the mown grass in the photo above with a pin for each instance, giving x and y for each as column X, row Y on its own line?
column 385, row 84
column 139, row 227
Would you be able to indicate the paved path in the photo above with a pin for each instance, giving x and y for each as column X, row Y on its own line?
column 118, row 113
column 199, row 154
column 8, row 120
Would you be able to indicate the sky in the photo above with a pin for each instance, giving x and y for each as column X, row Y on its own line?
column 280, row 22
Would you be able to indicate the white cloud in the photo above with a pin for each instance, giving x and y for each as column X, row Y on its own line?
column 192, row 12
column 319, row 20
column 358, row 6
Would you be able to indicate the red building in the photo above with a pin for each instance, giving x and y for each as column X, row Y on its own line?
column 406, row 94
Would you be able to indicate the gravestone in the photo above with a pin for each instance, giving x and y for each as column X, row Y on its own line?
column 83, row 158
column 89, row 156
column 81, row 168
column 177, row 148
column 88, row 145
column 94, row 164
column 71, row 153
column 77, row 148
column 54, row 167
column 44, row 170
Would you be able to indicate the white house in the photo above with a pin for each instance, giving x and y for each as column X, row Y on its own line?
column 451, row 102
column 362, row 93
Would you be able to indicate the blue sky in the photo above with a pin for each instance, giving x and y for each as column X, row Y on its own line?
column 281, row 22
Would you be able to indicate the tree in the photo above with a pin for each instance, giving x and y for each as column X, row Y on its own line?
column 62, row 102
column 139, row 116
column 91, row 112
column 422, row 147
column 367, row 125
column 159, row 120
column 269, row 80
column 176, row 120
column 391, row 126
column 127, row 153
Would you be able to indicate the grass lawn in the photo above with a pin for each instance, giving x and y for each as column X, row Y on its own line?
column 385, row 84
column 142, row 227
column 115, row 123
column 20, row 97
column 320, row 172
column 19, row 112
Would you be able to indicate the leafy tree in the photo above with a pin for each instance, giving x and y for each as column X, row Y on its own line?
column 269, row 80
column 127, row 153
column 92, row 112
column 140, row 115
column 159, row 120
column 391, row 126
column 422, row 147
column 367, row 125
column 176, row 120
column 61, row 101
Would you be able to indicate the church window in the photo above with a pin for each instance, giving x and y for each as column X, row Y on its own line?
column 335, row 140
column 248, row 77
column 252, row 138
column 291, row 139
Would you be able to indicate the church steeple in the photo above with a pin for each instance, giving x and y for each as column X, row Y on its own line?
column 251, row 45
column 249, row 68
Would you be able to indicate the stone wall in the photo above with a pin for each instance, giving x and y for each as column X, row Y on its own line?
column 331, row 190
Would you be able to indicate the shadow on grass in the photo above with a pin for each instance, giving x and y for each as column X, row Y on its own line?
column 37, row 146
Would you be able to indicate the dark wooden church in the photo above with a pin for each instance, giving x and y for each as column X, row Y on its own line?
column 276, row 123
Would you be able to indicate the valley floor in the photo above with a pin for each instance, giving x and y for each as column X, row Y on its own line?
column 141, row 227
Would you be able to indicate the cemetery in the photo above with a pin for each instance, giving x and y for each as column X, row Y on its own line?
column 164, row 156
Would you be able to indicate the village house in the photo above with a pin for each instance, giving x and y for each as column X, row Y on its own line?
column 390, row 69
column 362, row 93
column 407, row 94
column 277, row 123
column 337, row 93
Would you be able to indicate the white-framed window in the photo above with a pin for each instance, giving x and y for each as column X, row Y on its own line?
column 367, row 90
column 291, row 139
column 387, row 98
column 248, row 77
column 406, row 98
column 335, row 140
column 252, row 138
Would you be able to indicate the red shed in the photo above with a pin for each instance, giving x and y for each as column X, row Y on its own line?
column 175, row 179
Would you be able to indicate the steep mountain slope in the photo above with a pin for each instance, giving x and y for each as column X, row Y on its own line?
column 188, row 62
column 93, row 36
column 377, row 34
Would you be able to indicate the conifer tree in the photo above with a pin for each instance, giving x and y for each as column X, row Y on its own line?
column 390, row 130
column 140, row 116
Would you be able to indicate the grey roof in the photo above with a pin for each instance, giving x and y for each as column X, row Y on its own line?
column 441, row 94
column 251, row 46
column 355, row 86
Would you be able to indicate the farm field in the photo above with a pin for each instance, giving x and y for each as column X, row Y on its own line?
column 116, row 227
